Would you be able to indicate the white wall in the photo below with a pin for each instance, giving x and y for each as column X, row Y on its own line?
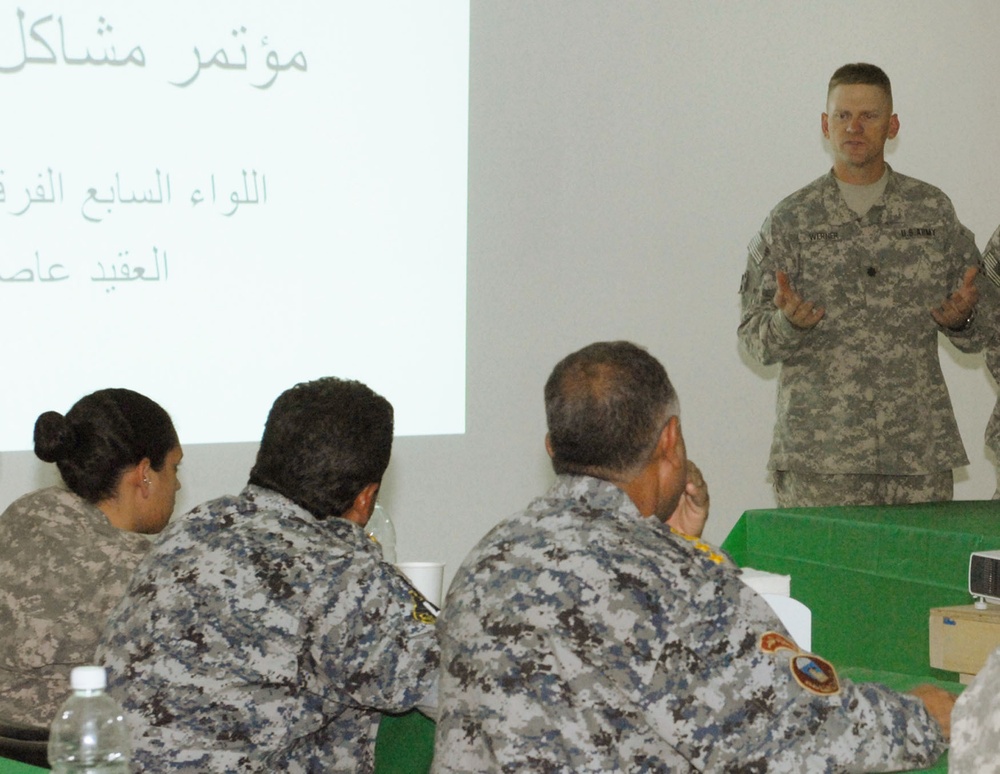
column 621, row 157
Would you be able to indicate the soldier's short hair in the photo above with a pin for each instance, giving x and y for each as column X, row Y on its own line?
column 860, row 74
column 325, row 441
column 606, row 406
column 103, row 435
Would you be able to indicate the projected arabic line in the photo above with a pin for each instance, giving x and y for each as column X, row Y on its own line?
column 40, row 194
column 27, row 275
column 37, row 48
column 115, row 272
column 109, row 56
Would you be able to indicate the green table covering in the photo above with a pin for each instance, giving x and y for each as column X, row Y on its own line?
column 871, row 575
column 7, row 766
column 405, row 744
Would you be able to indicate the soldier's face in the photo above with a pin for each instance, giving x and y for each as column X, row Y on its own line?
column 858, row 122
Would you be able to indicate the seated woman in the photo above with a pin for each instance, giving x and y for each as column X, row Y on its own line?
column 66, row 555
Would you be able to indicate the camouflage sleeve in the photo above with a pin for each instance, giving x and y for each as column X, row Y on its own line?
column 764, row 331
column 386, row 650
column 779, row 709
column 991, row 260
column 989, row 314
column 963, row 254
column 64, row 595
column 975, row 723
column 866, row 727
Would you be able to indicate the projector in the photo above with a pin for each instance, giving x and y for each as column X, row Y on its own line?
column 984, row 576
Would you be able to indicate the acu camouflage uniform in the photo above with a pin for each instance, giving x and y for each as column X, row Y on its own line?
column 862, row 392
column 580, row 637
column 991, row 268
column 975, row 723
column 63, row 567
column 256, row 638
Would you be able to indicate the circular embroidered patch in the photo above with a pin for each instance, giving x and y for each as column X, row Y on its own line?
column 815, row 674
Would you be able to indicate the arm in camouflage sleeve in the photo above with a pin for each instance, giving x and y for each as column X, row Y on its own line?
column 798, row 723
column 765, row 331
column 963, row 255
column 386, row 646
column 990, row 329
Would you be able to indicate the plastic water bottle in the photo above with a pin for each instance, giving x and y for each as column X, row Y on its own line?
column 380, row 529
column 88, row 735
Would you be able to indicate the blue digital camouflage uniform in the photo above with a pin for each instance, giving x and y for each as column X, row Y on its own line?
column 63, row 567
column 580, row 637
column 975, row 723
column 862, row 392
column 256, row 638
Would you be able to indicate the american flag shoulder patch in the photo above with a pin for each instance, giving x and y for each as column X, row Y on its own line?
column 991, row 267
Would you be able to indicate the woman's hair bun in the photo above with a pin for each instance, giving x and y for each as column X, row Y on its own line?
column 55, row 438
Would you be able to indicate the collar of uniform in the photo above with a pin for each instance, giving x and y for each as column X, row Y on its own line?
column 593, row 492
column 268, row 500
column 883, row 211
column 264, row 499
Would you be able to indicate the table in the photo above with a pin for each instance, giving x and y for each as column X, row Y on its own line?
column 870, row 575
column 405, row 744
column 7, row 766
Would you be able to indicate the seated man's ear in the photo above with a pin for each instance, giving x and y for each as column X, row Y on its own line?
column 670, row 446
column 364, row 505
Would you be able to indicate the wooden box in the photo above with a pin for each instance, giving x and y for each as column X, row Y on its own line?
column 961, row 638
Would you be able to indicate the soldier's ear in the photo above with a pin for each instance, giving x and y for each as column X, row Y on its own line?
column 670, row 446
column 364, row 505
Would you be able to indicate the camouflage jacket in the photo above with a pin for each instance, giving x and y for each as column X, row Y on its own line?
column 63, row 567
column 255, row 637
column 580, row 637
column 975, row 723
column 862, row 392
column 991, row 267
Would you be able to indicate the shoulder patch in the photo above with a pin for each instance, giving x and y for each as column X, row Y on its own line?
column 814, row 674
column 991, row 267
column 771, row 642
column 758, row 249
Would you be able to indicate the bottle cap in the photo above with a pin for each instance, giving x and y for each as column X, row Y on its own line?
column 88, row 678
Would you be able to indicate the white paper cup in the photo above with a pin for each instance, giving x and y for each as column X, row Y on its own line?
column 427, row 577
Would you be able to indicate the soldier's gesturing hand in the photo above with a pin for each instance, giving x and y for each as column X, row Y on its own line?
column 956, row 310
column 800, row 313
